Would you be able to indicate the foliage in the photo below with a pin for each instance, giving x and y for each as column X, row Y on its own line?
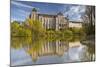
column 19, row 30
column 77, row 31
column 35, row 26
column 89, row 20
column 14, row 28
column 68, row 33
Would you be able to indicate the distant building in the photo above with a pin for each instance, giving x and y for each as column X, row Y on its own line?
column 76, row 24
column 55, row 22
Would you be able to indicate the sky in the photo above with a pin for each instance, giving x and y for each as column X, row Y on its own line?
column 20, row 10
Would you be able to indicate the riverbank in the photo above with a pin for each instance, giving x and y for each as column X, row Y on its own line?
column 89, row 40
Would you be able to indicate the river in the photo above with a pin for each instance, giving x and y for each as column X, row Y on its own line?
column 29, row 51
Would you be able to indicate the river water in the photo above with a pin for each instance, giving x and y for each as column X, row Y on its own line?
column 28, row 51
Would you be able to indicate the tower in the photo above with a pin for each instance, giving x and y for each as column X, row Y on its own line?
column 34, row 14
column 58, row 20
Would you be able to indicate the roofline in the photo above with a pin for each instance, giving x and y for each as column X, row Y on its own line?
column 47, row 14
column 76, row 21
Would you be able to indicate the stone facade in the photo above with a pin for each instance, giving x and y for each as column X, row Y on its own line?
column 75, row 24
column 55, row 22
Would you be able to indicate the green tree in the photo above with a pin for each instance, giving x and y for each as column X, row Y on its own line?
column 14, row 28
column 35, row 26
column 19, row 29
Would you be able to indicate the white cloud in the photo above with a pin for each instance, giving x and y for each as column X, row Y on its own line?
column 20, row 4
column 19, row 14
column 16, row 19
column 23, row 12
column 75, row 12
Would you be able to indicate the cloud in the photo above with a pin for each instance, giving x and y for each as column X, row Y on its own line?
column 23, row 12
column 75, row 12
column 19, row 14
column 16, row 19
column 20, row 4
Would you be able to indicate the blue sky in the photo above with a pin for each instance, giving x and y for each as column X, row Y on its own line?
column 20, row 10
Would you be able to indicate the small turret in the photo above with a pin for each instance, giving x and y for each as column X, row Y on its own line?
column 34, row 10
column 34, row 14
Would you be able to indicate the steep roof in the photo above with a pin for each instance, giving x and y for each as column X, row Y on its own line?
column 34, row 9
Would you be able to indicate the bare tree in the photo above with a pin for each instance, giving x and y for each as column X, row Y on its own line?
column 89, row 20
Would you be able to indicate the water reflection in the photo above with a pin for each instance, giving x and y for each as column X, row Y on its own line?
column 28, row 51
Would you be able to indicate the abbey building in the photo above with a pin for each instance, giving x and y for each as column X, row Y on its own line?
column 55, row 22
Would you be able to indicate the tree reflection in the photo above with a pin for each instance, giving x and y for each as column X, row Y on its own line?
column 39, row 46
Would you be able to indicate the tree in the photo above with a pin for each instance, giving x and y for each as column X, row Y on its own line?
column 18, row 29
column 14, row 28
column 89, row 20
column 35, row 26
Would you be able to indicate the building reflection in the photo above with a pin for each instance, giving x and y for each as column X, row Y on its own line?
column 40, row 47
column 48, row 49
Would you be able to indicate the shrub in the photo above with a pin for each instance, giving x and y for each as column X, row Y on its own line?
column 68, row 33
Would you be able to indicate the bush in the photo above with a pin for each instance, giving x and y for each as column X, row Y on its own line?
column 68, row 33
column 77, row 31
